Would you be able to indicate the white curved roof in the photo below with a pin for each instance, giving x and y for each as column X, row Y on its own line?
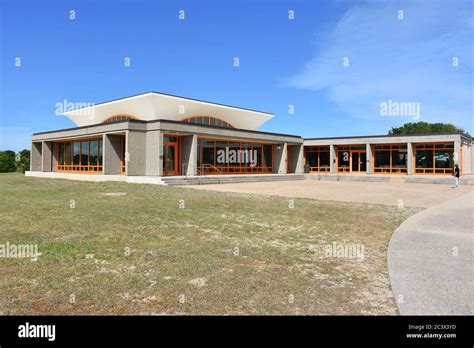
column 154, row 106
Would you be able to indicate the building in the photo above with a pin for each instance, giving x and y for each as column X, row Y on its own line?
column 155, row 134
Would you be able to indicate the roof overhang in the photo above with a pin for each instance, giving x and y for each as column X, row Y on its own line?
column 154, row 106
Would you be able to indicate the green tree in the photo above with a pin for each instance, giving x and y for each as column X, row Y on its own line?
column 23, row 161
column 7, row 161
column 427, row 128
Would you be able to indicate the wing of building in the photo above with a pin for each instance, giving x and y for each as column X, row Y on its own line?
column 157, row 135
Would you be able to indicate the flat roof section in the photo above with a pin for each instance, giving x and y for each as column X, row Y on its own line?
column 384, row 135
column 386, row 139
column 171, row 122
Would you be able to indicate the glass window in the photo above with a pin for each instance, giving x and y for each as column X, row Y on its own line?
column 221, row 155
column 68, row 155
column 100, row 152
column 267, row 155
column 212, row 121
column 77, row 152
column 399, row 159
column 245, row 155
column 61, row 153
column 382, row 159
column 324, row 159
column 444, row 159
column 312, row 159
column 93, row 152
column 235, row 157
column 85, row 153
column 207, row 150
column 343, row 158
column 424, row 159
column 256, row 155
column 234, row 154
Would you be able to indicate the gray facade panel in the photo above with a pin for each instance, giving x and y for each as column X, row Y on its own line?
column 36, row 157
column 111, row 154
column 136, row 152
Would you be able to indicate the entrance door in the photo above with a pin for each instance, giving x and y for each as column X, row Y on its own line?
column 170, row 159
column 359, row 162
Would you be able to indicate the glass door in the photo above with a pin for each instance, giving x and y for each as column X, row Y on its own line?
column 359, row 161
column 170, row 159
column 355, row 162
column 363, row 162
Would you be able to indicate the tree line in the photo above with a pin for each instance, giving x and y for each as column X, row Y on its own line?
column 11, row 161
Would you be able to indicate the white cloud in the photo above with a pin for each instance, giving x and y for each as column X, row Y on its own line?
column 408, row 60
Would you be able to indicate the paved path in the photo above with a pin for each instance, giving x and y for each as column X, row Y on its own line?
column 388, row 193
column 430, row 260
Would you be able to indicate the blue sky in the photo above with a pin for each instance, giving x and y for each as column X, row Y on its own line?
column 282, row 62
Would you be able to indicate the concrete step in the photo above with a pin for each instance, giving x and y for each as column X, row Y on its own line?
column 347, row 177
column 227, row 179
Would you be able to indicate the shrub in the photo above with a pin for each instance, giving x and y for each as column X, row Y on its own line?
column 7, row 161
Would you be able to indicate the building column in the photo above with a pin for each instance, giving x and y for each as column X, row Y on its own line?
column 457, row 153
column 296, row 159
column 36, row 157
column 189, row 149
column 280, row 158
column 47, row 151
column 135, row 152
column 111, row 154
column 332, row 159
column 154, row 158
column 369, row 158
column 410, row 159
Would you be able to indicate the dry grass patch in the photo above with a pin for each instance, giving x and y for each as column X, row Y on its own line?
column 223, row 253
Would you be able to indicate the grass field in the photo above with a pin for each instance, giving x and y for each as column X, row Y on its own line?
column 117, row 248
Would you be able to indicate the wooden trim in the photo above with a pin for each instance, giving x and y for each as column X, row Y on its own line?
column 79, row 168
column 432, row 170
column 348, row 169
column 390, row 170
column 130, row 117
column 322, row 169
column 208, row 119
column 235, row 169
column 177, row 154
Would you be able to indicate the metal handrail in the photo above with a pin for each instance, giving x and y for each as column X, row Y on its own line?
column 200, row 173
column 217, row 170
column 184, row 166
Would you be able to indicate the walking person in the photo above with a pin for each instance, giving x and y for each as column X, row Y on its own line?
column 456, row 176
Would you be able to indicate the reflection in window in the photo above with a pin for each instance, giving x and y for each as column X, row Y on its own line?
column 434, row 158
column 222, row 156
column 80, row 156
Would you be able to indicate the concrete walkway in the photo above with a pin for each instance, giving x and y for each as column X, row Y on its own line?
column 430, row 260
column 388, row 193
